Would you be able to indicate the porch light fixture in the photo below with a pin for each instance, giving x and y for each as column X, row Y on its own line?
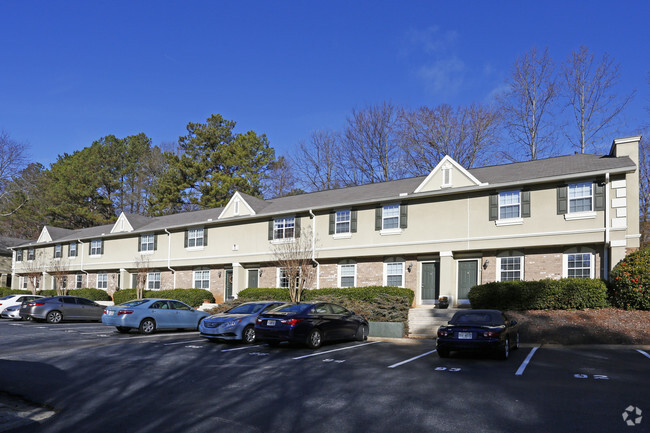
column 219, row 274
column 261, row 272
column 486, row 263
column 410, row 267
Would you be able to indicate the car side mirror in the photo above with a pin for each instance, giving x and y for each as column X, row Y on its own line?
column 513, row 322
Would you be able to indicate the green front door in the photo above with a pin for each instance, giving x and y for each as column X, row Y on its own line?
column 252, row 279
column 467, row 277
column 228, row 284
column 430, row 282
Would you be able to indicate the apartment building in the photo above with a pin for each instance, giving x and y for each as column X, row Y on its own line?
column 440, row 234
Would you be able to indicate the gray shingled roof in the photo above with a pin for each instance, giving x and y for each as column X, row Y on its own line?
column 7, row 242
column 521, row 172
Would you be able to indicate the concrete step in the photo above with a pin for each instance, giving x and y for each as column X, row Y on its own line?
column 425, row 321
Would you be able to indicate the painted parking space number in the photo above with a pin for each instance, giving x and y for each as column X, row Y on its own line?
column 591, row 376
column 333, row 360
column 451, row 369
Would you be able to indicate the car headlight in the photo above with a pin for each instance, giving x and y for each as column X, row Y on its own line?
column 233, row 323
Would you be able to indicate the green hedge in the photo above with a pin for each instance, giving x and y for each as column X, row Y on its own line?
column 192, row 297
column 629, row 282
column 375, row 303
column 93, row 294
column 564, row 294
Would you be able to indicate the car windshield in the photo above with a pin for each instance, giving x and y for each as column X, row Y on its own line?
column 246, row 309
column 298, row 308
column 478, row 318
column 7, row 297
column 134, row 303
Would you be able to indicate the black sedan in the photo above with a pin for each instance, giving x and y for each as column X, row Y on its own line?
column 311, row 324
column 478, row 330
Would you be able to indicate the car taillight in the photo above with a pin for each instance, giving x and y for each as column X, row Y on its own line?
column 119, row 313
column 35, row 304
column 291, row 322
column 443, row 333
column 491, row 334
column 259, row 320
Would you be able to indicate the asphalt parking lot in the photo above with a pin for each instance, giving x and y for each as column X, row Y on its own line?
column 87, row 377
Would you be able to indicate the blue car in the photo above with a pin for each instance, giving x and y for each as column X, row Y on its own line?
column 149, row 315
column 238, row 323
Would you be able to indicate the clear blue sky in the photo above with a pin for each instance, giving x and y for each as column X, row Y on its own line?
column 74, row 71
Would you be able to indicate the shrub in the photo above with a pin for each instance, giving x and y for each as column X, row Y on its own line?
column 192, row 297
column 6, row 291
column 564, row 294
column 375, row 303
column 92, row 294
column 629, row 282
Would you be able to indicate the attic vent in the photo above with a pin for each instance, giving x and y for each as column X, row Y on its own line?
column 209, row 219
column 403, row 194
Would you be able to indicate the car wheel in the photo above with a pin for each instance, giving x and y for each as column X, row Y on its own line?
column 505, row 351
column 315, row 339
column 147, row 326
column 123, row 329
column 54, row 316
column 248, row 336
column 362, row 333
column 443, row 353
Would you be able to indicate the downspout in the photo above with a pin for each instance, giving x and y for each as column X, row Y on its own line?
column 313, row 248
column 81, row 265
column 607, row 222
column 169, row 257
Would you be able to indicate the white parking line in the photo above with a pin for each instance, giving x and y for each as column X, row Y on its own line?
column 643, row 353
column 336, row 350
column 524, row 364
column 153, row 335
column 182, row 342
column 411, row 359
column 243, row 348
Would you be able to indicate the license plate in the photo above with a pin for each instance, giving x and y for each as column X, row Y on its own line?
column 111, row 312
column 270, row 323
column 464, row 335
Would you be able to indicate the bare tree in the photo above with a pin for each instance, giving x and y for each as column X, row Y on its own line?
column 295, row 259
column 527, row 103
column 142, row 273
column 33, row 270
column 59, row 270
column 372, row 153
column 467, row 134
column 589, row 89
column 13, row 159
column 281, row 180
column 318, row 163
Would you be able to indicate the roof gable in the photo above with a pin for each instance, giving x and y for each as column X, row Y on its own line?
column 122, row 225
column 237, row 206
column 448, row 174
column 44, row 236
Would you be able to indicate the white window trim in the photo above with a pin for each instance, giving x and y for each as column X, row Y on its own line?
column 284, row 239
column 521, row 266
column 153, row 243
column 195, row 247
column 392, row 231
column 100, row 249
column 582, row 213
column 194, row 272
column 159, row 280
column 509, row 221
column 340, row 235
column 23, row 282
column 77, row 280
column 592, row 263
column 386, row 272
column 60, row 246
column 76, row 251
column 106, row 275
column 354, row 283
column 580, row 216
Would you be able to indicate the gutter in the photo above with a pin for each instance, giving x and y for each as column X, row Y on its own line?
column 313, row 247
column 169, row 257
column 607, row 228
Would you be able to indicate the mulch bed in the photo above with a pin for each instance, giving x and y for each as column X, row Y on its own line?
column 606, row 326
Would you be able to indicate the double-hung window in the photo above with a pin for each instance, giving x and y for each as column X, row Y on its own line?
column 96, row 247
column 31, row 254
column 347, row 275
column 19, row 255
column 510, row 268
column 202, row 279
column 102, row 281
column 79, row 281
column 72, row 249
column 509, row 205
column 147, row 242
column 390, row 217
column 57, row 251
column 342, row 221
column 283, row 279
column 153, row 281
column 395, row 274
column 579, row 265
column 284, row 228
column 581, row 197
column 195, row 238
column 23, row 283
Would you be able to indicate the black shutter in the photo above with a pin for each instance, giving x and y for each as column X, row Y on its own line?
column 54, row 251
column 562, row 201
column 599, row 197
column 270, row 230
column 205, row 236
column 186, row 237
column 525, row 204
column 155, row 242
column 378, row 212
column 102, row 246
column 139, row 243
column 332, row 222
column 297, row 227
column 353, row 221
column 494, row 207
column 403, row 215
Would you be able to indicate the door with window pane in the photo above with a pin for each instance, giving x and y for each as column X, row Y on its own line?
column 430, row 282
column 252, row 278
column 467, row 277
column 229, row 284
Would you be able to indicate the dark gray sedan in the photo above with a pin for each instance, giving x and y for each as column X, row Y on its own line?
column 59, row 308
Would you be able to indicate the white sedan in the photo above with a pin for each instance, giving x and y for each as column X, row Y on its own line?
column 12, row 300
